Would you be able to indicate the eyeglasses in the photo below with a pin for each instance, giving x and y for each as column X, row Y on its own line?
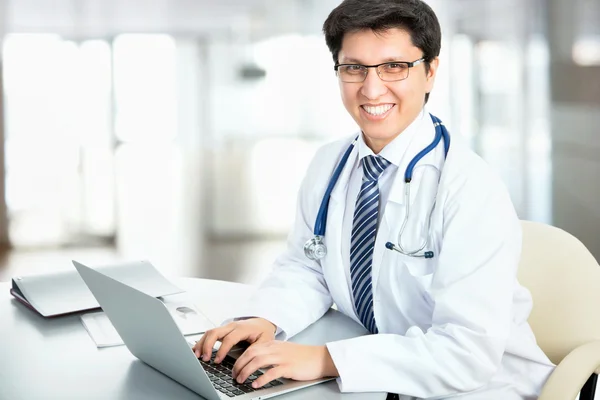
column 388, row 71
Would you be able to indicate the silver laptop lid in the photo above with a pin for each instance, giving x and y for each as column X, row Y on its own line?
column 148, row 330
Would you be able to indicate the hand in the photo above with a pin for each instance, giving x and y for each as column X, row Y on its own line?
column 289, row 360
column 253, row 330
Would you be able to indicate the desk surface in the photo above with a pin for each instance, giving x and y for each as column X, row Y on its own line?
column 56, row 359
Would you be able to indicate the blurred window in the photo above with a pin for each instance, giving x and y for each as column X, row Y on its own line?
column 145, row 88
column 66, row 118
column 58, row 136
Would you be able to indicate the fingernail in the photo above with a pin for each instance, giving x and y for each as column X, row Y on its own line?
column 254, row 385
column 217, row 360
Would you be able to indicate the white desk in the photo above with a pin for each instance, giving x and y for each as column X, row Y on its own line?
column 56, row 359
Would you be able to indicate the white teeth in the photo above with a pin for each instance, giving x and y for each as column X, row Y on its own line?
column 378, row 110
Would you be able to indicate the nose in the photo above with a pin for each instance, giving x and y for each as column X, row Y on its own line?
column 373, row 87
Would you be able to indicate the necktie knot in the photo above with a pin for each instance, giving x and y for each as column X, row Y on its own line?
column 373, row 167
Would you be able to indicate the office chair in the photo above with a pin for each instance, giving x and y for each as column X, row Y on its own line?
column 564, row 280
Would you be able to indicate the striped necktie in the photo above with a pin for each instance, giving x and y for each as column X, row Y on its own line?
column 362, row 242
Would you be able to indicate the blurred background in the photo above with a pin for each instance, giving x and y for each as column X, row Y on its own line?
column 179, row 130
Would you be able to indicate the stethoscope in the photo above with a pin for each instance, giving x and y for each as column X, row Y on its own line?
column 315, row 248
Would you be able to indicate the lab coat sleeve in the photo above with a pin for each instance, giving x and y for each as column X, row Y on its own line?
column 472, row 291
column 295, row 294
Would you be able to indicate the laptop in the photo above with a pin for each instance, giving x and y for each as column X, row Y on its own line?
column 150, row 333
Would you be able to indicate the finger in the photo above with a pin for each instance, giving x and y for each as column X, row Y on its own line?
column 270, row 375
column 255, row 364
column 254, row 350
column 197, row 348
column 227, row 342
column 211, row 337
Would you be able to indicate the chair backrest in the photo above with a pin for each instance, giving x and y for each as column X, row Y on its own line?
column 564, row 280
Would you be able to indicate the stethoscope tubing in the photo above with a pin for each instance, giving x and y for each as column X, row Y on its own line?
column 320, row 223
column 319, row 229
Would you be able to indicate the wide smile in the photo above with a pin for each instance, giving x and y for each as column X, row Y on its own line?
column 376, row 112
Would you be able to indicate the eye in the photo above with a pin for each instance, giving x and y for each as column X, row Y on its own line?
column 352, row 69
column 395, row 67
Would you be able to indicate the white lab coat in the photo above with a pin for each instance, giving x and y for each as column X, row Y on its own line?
column 450, row 325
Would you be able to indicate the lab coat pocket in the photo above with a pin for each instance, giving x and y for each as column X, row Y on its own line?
column 407, row 281
column 419, row 267
column 421, row 270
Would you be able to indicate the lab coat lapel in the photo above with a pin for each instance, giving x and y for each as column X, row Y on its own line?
column 338, row 195
column 395, row 208
column 389, row 227
column 333, row 235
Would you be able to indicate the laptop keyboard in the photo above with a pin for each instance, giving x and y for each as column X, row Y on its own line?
column 220, row 376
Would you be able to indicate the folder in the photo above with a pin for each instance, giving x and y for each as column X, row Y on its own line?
column 64, row 292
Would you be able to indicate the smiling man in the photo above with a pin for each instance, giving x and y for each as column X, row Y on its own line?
column 420, row 243
column 383, row 103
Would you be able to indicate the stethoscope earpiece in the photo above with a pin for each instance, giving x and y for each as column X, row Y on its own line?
column 392, row 246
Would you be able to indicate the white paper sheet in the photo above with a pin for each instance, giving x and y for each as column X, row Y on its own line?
column 190, row 320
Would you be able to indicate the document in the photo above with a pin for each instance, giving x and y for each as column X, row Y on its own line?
column 189, row 319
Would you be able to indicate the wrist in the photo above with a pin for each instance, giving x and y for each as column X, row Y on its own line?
column 271, row 327
column 329, row 368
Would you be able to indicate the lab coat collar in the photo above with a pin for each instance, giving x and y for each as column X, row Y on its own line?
column 396, row 149
column 399, row 152
column 422, row 135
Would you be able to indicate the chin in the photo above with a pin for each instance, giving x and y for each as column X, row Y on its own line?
column 381, row 138
column 381, row 134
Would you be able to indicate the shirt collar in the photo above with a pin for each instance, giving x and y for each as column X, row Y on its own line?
column 396, row 149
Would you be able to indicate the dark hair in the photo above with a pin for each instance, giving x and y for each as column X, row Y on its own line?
column 413, row 16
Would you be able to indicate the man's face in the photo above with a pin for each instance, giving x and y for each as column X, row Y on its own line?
column 384, row 109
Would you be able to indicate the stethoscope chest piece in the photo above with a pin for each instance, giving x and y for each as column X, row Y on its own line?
column 315, row 249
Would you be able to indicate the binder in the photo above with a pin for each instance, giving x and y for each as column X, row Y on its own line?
column 64, row 292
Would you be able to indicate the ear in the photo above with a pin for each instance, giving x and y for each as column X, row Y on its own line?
column 433, row 67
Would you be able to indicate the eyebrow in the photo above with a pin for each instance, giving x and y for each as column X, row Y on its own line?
column 355, row 61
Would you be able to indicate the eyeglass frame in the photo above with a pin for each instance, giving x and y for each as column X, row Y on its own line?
column 409, row 65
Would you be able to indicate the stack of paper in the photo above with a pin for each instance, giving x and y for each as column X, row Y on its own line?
column 187, row 316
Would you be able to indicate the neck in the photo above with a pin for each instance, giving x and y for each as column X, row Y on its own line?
column 376, row 145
